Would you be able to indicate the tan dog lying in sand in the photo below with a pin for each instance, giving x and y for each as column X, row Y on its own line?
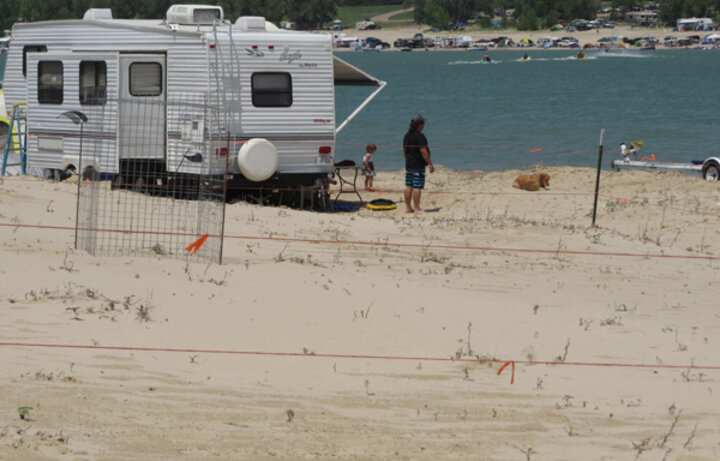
column 532, row 182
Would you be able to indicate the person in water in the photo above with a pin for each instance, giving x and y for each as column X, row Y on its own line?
column 486, row 58
column 525, row 56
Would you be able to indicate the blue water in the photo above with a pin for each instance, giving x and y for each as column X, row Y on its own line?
column 490, row 116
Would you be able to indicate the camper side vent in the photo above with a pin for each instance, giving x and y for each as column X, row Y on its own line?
column 194, row 14
column 250, row 23
column 98, row 14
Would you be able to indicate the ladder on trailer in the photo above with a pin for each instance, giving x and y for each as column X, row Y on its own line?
column 18, row 122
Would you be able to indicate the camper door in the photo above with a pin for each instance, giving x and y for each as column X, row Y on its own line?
column 142, row 106
column 61, row 86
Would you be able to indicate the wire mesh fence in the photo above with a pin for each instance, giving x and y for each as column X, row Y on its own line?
column 153, row 179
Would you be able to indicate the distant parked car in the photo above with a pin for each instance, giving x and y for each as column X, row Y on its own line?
column 568, row 42
column 670, row 41
column 580, row 26
column 418, row 41
column 373, row 42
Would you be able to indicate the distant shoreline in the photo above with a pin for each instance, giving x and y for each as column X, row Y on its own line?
column 390, row 34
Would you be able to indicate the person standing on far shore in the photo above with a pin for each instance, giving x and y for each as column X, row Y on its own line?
column 417, row 157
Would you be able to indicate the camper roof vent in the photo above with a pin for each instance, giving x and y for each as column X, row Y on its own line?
column 194, row 14
column 250, row 23
column 98, row 13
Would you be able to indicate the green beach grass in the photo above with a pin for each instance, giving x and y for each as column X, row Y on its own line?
column 349, row 15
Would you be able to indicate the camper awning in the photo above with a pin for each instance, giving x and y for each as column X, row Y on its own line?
column 347, row 74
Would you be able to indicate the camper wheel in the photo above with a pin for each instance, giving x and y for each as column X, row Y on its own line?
column 139, row 185
column 90, row 174
column 712, row 172
column 188, row 187
column 193, row 189
column 118, row 182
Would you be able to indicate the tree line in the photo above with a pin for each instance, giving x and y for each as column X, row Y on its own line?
column 540, row 14
column 305, row 13
column 526, row 14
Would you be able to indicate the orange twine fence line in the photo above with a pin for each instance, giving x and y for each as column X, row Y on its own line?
column 369, row 357
column 380, row 244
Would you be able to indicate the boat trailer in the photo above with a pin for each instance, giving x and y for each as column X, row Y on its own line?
column 709, row 168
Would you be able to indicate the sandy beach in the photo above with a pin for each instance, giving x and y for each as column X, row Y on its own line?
column 390, row 34
column 375, row 335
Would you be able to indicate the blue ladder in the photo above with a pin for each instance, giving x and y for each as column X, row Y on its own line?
column 18, row 115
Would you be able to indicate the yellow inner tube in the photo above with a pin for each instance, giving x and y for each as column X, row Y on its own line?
column 381, row 205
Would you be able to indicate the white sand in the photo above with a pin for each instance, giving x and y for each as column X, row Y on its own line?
column 624, row 305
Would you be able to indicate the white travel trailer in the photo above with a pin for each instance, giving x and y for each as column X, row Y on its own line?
column 274, row 87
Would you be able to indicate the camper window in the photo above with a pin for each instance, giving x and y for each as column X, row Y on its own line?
column 271, row 89
column 146, row 79
column 93, row 83
column 206, row 15
column 50, row 82
column 31, row 49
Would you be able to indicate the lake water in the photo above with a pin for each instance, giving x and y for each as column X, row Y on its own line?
column 495, row 116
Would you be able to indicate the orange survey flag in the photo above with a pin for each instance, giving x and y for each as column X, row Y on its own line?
column 195, row 246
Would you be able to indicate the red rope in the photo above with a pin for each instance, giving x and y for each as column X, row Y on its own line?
column 381, row 244
column 362, row 356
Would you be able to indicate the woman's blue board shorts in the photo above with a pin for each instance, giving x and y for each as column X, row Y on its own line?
column 415, row 178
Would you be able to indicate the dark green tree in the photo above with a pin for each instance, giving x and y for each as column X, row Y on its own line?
column 309, row 13
column 528, row 20
column 435, row 14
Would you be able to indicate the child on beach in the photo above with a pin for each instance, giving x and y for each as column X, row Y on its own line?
column 369, row 170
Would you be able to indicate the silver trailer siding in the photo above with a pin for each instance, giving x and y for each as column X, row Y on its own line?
column 191, row 56
column 300, row 129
